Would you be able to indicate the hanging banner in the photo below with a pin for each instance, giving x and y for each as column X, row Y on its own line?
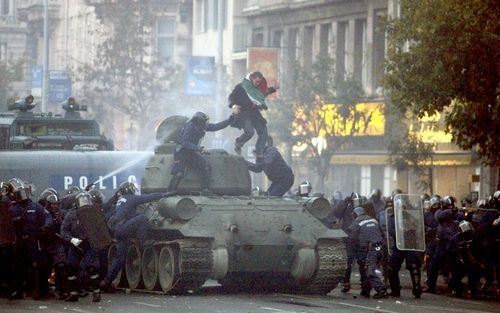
column 265, row 60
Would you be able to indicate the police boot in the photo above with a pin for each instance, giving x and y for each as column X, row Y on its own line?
column 73, row 289
column 346, row 288
column 94, row 284
column 394, row 283
column 415, row 281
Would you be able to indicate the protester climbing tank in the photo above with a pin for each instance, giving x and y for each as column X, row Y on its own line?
column 241, row 240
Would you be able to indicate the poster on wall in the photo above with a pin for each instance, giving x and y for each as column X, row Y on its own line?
column 265, row 60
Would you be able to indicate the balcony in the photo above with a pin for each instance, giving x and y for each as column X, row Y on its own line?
column 257, row 7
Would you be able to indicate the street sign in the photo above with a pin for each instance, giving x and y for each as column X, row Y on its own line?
column 59, row 86
column 36, row 80
column 200, row 76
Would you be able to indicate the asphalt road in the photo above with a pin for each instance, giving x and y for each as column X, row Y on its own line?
column 213, row 300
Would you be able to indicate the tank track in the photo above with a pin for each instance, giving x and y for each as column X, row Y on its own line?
column 331, row 268
column 195, row 265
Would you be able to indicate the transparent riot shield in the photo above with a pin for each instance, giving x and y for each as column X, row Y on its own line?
column 409, row 222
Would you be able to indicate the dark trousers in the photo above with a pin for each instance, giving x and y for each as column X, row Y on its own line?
column 260, row 127
column 191, row 159
column 279, row 187
column 136, row 227
column 351, row 253
column 413, row 265
column 368, row 260
column 438, row 259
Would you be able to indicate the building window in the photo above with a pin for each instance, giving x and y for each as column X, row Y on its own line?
column 165, row 36
column 277, row 37
column 307, row 55
column 4, row 7
column 378, row 49
column 359, row 50
column 324, row 39
column 257, row 37
column 202, row 13
column 240, row 38
column 3, row 52
column 341, row 53
column 365, row 179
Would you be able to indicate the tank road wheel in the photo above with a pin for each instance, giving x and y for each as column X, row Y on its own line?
column 133, row 266
column 167, row 268
column 150, row 268
column 117, row 282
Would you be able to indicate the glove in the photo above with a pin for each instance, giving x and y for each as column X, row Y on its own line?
column 76, row 242
column 236, row 109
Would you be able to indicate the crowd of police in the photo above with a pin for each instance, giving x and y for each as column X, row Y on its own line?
column 459, row 242
column 48, row 248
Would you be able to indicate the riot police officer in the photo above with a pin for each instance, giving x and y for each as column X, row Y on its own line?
column 465, row 250
column 31, row 221
column 188, row 152
column 81, row 255
column 431, row 226
column 377, row 202
column 127, row 224
column 369, row 242
column 447, row 229
column 396, row 258
column 54, row 245
column 344, row 212
column 275, row 168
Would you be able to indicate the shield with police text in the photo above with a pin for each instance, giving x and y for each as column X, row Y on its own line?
column 7, row 230
column 94, row 225
column 409, row 222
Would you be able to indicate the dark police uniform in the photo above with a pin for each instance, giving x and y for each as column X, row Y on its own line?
column 412, row 260
column 188, row 153
column 369, row 238
column 276, row 169
column 126, row 223
column 31, row 221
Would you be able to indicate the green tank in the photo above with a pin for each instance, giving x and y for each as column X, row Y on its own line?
column 243, row 241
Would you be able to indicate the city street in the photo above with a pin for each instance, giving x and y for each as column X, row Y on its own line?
column 212, row 299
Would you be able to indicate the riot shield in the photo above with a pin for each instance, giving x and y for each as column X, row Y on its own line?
column 94, row 226
column 7, row 230
column 409, row 222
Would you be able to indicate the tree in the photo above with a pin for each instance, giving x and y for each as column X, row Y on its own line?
column 9, row 71
column 325, row 114
column 126, row 75
column 443, row 56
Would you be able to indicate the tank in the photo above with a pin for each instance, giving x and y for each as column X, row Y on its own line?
column 243, row 241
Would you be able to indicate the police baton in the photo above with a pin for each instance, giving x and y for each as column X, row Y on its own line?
column 58, row 235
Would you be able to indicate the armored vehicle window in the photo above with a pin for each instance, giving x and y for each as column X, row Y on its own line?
column 79, row 128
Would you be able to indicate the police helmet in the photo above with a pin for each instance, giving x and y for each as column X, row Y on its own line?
column 357, row 199
column 83, row 199
column 20, row 189
column 435, row 202
column 305, row 188
column 72, row 190
column 199, row 117
column 465, row 226
column 482, row 204
column 47, row 192
column 425, row 197
column 495, row 200
column 127, row 188
column 448, row 201
column 376, row 193
column 52, row 199
column 97, row 196
column 358, row 211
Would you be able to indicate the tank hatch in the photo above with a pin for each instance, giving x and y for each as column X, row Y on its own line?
column 169, row 129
